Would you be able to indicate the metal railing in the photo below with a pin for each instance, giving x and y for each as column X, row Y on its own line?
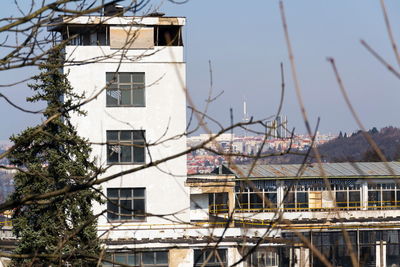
column 304, row 206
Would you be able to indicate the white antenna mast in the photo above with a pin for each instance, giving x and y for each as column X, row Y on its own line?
column 245, row 115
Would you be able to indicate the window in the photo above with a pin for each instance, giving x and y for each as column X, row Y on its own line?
column 257, row 200
column 87, row 36
column 125, row 204
column 125, row 89
column 296, row 199
column 125, row 146
column 265, row 257
column 354, row 199
column 383, row 196
column 341, row 199
column 168, row 35
column 302, row 200
column 147, row 259
column 348, row 197
column 210, row 257
column 155, row 258
column 218, row 202
column 241, row 201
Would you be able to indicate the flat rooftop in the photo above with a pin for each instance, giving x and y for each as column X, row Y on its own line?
column 62, row 21
column 330, row 170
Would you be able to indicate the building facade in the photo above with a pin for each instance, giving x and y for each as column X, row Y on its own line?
column 349, row 212
column 133, row 70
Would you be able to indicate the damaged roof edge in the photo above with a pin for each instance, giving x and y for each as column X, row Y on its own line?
column 55, row 24
column 331, row 170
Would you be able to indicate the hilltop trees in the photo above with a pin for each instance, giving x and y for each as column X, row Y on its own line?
column 62, row 228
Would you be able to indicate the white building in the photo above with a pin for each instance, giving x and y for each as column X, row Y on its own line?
column 134, row 69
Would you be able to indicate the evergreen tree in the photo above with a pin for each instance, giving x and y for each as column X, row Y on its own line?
column 374, row 130
column 54, row 156
column 371, row 156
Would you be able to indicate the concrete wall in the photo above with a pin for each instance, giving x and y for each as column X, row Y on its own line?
column 104, row 54
column 329, row 215
column 180, row 258
column 234, row 256
column 163, row 117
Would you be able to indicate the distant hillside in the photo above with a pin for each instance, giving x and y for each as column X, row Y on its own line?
column 356, row 147
column 351, row 148
column 3, row 161
column 6, row 185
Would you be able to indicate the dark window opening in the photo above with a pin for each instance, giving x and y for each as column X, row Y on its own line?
column 147, row 259
column 263, row 257
column 218, row 202
column 125, row 146
column 125, row 204
column 170, row 35
column 210, row 257
column 125, row 89
column 88, row 36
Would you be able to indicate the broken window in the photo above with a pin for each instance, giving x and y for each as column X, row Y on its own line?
column 168, row 35
column 242, row 201
column 125, row 89
column 124, row 37
column 210, row 257
column 126, row 146
column 218, row 202
column 125, row 204
column 263, row 257
column 87, row 36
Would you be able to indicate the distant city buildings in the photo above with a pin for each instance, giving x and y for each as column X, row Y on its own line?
column 278, row 128
column 204, row 160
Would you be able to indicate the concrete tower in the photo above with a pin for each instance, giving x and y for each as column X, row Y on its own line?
column 134, row 69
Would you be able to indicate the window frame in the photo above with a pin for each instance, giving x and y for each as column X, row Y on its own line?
column 269, row 255
column 243, row 200
column 377, row 196
column 292, row 195
column 348, row 192
column 113, row 201
column 113, row 84
column 122, row 143
column 137, row 256
column 200, row 256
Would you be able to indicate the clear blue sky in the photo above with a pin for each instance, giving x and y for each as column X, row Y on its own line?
column 245, row 42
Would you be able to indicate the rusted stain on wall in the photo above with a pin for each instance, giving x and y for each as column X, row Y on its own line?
column 179, row 257
column 168, row 21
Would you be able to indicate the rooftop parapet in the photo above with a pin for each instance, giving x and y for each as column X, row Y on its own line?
column 128, row 32
column 62, row 21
